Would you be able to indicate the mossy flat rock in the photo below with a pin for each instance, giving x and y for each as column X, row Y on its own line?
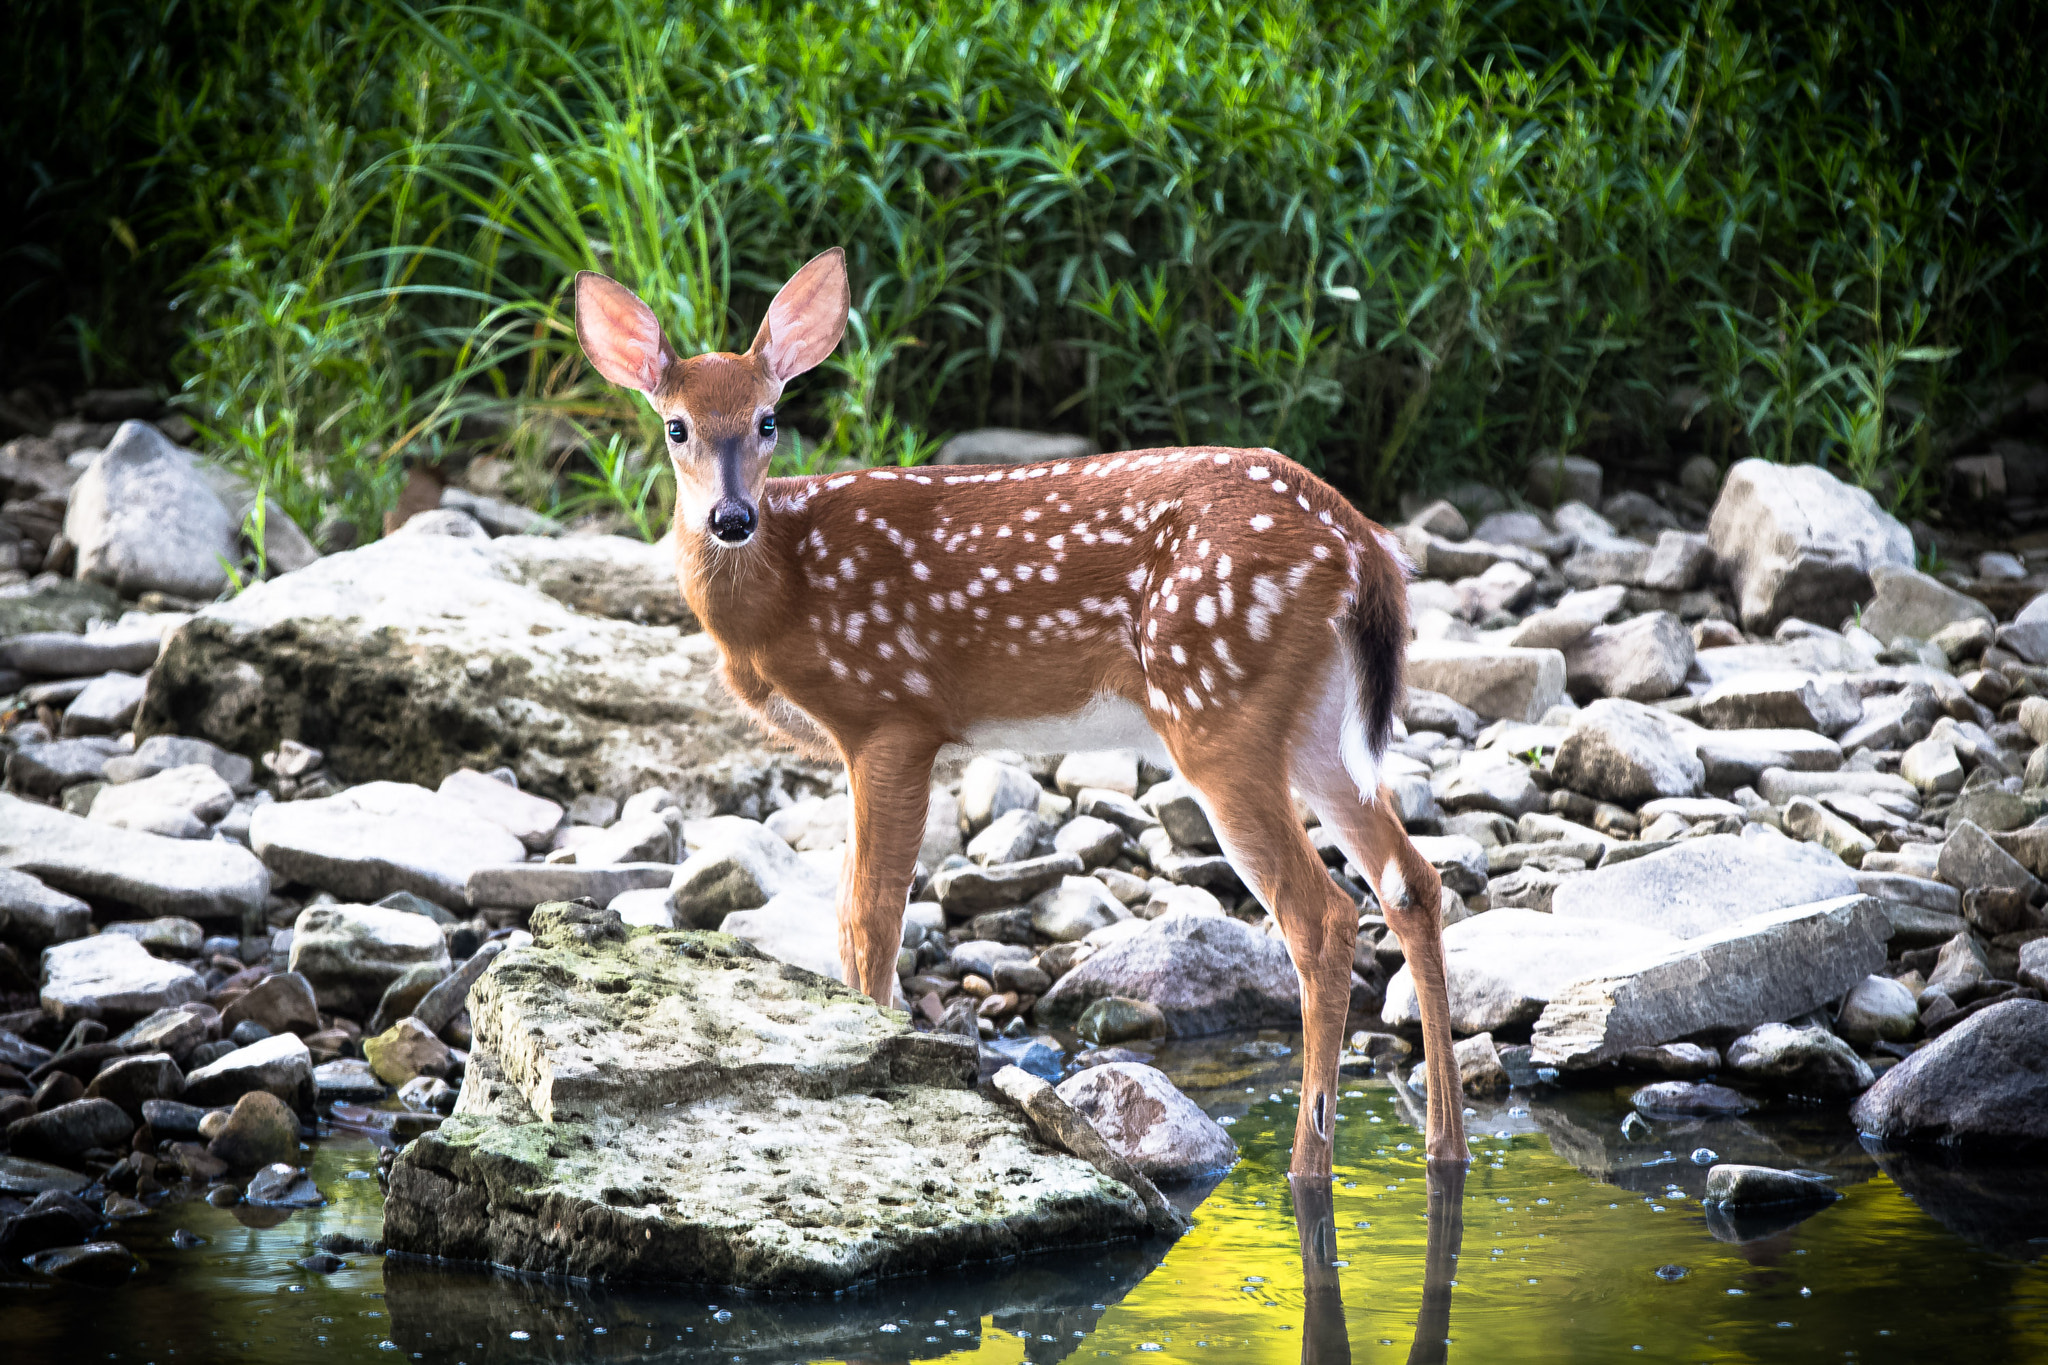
column 662, row 1105
column 56, row 604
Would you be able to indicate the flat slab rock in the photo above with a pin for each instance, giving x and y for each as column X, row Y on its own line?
column 673, row 1105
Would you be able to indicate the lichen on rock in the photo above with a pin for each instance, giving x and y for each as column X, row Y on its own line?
column 674, row 1105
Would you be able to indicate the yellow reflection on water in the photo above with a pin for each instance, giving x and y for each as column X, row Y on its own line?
column 1554, row 1266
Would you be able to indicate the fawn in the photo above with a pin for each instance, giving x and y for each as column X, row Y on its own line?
column 1222, row 610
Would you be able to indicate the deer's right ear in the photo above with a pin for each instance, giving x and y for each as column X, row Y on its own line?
column 619, row 333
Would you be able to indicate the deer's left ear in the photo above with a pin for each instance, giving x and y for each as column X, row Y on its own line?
column 807, row 317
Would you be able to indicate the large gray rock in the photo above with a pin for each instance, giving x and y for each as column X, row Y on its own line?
column 1981, row 1085
column 1205, row 973
column 1503, row 967
column 682, row 1056
column 144, row 519
column 1909, row 602
column 1770, row 967
column 2027, row 635
column 1148, row 1122
column 1495, row 681
column 352, row 953
column 433, row 655
column 382, row 837
column 1700, row 886
column 1643, row 659
column 112, row 978
column 1796, row 541
column 521, row 886
column 1623, row 751
column 34, row 916
column 200, row 879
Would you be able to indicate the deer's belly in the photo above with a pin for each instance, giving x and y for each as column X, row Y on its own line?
column 1108, row 721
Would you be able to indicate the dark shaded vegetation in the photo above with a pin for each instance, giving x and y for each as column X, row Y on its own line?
column 1407, row 243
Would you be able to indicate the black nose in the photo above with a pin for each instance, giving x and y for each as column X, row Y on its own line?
column 732, row 521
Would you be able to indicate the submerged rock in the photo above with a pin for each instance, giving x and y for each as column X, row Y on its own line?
column 621, row 1078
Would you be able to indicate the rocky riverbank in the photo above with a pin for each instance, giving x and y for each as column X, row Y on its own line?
column 1736, row 803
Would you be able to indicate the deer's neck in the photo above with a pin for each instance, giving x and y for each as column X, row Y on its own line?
column 743, row 595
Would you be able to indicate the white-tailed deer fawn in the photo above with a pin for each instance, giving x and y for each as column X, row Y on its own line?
column 1223, row 610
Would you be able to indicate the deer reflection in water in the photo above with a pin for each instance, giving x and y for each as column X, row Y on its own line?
column 1325, row 1338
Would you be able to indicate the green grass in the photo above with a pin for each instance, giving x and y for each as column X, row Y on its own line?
column 1407, row 243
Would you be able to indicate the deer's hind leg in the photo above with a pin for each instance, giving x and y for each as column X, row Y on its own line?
column 1410, row 894
column 1252, row 812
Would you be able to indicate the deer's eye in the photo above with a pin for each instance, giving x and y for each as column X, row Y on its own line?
column 768, row 426
column 677, row 431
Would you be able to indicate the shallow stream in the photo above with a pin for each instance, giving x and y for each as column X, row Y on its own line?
column 1571, row 1242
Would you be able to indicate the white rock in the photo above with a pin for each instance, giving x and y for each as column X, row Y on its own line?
column 1643, row 659
column 351, row 953
column 1110, row 769
column 112, row 978
column 642, row 839
column 195, row 791
column 1699, row 886
column 530, row 819
column 381, row 837
column 1496, row 682
column 1487, row 780
column 646, row 909
column 201, row 879
column 1009, row 838
column 143, row 519
column 990, row 787
column 436, row 656
column 736, row 864
column 1796, row 541
column 816, row 822
column 1782, row 701
column 1571, row 620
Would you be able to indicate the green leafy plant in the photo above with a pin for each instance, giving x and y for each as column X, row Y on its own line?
column 1408, row 243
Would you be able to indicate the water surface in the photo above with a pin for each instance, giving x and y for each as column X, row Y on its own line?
column 1570, row 1242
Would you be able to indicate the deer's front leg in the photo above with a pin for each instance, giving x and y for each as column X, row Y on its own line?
column 889, row 777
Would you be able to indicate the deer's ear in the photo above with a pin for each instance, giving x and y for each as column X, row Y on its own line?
column 807, row 318
column 619, row 333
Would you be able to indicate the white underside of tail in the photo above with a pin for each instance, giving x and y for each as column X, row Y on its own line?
column 1354, row 746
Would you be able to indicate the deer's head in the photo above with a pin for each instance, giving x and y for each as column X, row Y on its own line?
column 717, row 410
